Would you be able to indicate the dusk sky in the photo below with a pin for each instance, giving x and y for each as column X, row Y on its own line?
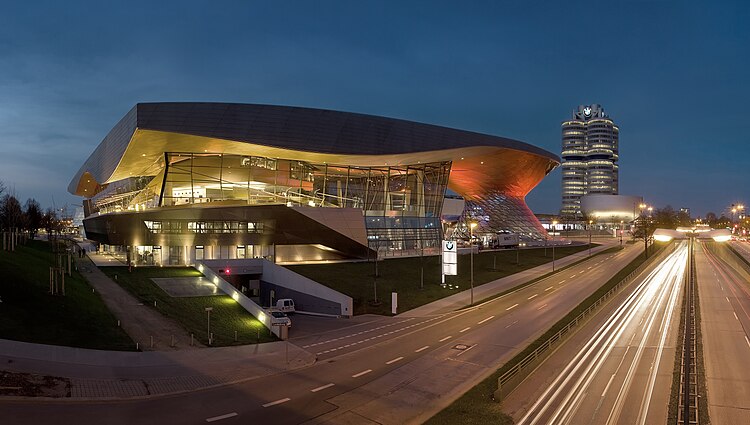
column 673, row 76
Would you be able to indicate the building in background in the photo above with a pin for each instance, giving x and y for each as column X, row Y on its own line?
column 173, row 183
column 590, row 149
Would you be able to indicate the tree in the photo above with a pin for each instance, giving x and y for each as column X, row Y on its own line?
column 33, row 214
column 11, row 214
column 665, row 218
column 50, row 222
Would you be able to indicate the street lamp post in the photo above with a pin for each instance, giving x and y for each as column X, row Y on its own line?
column 472, row 225
column 208, row 323
column 554, row 223
column 622, row 230
column 590, row 223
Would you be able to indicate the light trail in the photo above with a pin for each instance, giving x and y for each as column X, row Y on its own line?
column 635, row 319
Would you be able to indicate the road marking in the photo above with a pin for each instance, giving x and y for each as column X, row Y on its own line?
column 589, row 268
column 464, row 329
column 466, row 350
column 484, row 320
column 364, row 372
column 445, row 339
column 511, row 324
column 394, row 360
column 735, row 316
column 608, row 384
column 274, row 403
column 563, row 281
column 322, row 387
column 747, row 340
column 422, row 349
column 728, row 300
column 511, row 307
column 542, row 307
column 532, row 297
column 547, row 289
column 218, row 418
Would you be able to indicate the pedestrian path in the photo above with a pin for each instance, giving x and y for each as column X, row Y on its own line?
column 98, row 374
column 462, row 299
column 148, row 328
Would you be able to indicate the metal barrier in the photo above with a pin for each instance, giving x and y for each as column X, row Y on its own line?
column 513, row 377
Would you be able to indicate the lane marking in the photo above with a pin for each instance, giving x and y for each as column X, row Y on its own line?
column 422, row 349
column 464, row 329
column 747, row 340
column 320, row 388
column 445, row 339
column 274, row 403
column 547, row 289
column 394, row 360
column 735, row 316
column 563, row 281
column 364, row 372
column 218, row 418
column 532, row 297
column 728, row 300
column 512, row 324
column 484, row 320
column 609, row 383
column 511, row 307
column 542, row 307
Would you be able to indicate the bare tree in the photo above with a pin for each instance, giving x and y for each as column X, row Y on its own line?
column 33, row 215
column 11, row 214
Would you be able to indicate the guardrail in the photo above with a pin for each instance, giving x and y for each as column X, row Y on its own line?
column 513, row 377
column 687, row 412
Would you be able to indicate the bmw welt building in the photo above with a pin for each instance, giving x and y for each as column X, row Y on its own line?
column 173, row 183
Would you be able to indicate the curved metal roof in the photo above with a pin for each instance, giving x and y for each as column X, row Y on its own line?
column 276, row 129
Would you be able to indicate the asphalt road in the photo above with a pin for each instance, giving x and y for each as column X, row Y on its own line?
column 725, row 321
column 618, row 368
column 395, row 370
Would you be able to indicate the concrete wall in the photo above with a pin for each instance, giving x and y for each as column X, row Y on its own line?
column 296, row 283
column 241, row 299
column 308, row 295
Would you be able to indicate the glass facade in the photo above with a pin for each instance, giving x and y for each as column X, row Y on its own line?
column 500, row 213
column 401, row 204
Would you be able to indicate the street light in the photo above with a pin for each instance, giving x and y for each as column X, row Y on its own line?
column 622, row 230
column 554, row 223
column 208, row 323
column 472, row 225
column 590, row 223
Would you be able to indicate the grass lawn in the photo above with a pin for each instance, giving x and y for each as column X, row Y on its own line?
column 476, row 405
column 402, row 275
column 29, row 313
column 226, row 317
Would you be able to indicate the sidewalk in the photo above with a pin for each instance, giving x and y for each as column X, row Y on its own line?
column 98, row 374
column 462, row 299
column 140, row 322
column 101, row 375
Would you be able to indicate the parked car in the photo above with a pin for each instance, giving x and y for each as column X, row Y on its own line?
column 279, row 318
column 285, row 305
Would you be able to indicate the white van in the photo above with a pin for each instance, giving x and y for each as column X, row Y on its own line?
column 285, row 305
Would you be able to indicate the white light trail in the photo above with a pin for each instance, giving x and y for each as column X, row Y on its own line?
column 655, row 295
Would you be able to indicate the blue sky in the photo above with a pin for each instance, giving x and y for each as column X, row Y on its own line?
column 673, row 75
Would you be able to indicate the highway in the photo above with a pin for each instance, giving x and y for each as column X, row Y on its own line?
column 391, row 371
column 725, row 321
column 619, row 370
